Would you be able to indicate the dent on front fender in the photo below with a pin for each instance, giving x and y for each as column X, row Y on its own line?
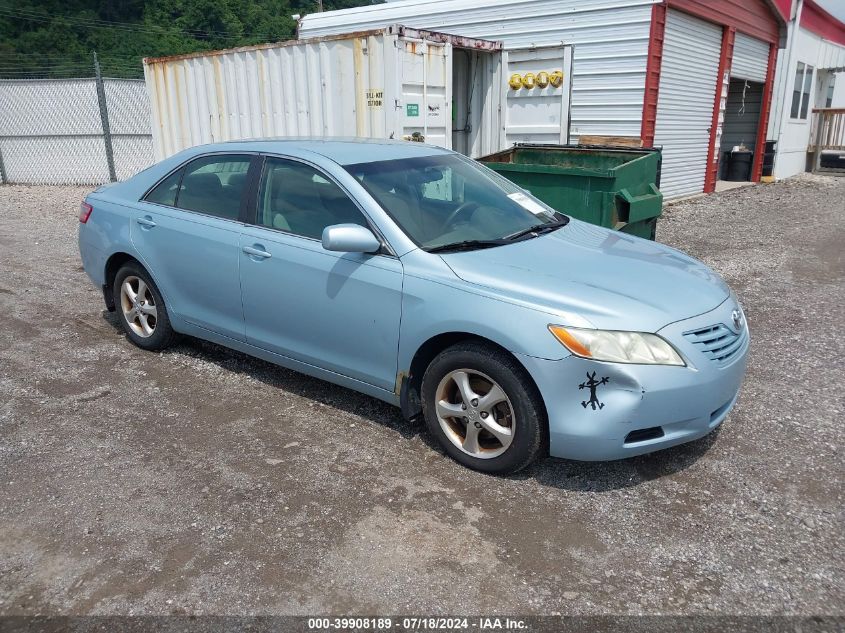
column 593, row 406
column 599, row 398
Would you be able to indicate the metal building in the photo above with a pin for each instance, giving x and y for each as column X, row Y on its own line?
column 663, row 71
column 394, row 82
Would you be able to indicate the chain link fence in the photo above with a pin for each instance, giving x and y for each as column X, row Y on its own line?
column 73, row 131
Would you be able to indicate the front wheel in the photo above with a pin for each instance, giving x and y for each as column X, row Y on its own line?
column 483, row 408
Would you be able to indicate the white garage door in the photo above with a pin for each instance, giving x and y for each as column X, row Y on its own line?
column 750, row 58
column 688, row 76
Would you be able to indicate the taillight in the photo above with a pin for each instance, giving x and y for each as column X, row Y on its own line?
column 85, row 210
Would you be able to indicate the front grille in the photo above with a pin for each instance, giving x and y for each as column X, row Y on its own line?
column 717, row 342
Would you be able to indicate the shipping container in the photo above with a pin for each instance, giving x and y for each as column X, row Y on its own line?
column 610, row 40
column 396, row 82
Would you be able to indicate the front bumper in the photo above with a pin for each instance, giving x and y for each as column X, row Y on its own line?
column 666, row 405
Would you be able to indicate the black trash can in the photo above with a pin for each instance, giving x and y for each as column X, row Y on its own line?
column 739, row 165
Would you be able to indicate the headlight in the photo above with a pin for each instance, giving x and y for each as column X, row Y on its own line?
column 617, row 347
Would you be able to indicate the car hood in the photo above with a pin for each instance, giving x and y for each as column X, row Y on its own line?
column 592, row 276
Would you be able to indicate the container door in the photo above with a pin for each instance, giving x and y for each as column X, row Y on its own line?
column 536, row 88
column 687, row 93
column 425, row 95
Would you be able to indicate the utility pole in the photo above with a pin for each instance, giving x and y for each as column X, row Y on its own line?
column 104, row 118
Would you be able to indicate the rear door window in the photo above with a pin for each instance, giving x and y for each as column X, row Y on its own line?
column 214, row 185
column 165, row 192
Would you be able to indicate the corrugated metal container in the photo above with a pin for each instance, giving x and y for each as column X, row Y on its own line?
column 609, row 37
column 341, row 86
column 395, row 82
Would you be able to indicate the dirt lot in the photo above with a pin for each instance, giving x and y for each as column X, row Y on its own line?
column 202, row 481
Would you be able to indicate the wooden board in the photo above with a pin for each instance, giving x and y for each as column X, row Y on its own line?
column 595, row 139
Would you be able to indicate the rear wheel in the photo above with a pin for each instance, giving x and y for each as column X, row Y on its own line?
column 141, row 308
column 483, row 408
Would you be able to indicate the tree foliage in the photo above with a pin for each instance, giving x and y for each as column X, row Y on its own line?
column 56, row 38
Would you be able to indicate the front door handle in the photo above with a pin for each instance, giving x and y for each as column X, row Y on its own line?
column 257, row 251
column 146, row 222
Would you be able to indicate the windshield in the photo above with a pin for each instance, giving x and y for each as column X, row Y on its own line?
column 448, row 199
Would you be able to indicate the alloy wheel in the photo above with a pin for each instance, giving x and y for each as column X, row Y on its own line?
column 475, row 413
column 138, row 305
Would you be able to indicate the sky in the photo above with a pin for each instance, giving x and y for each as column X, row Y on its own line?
column 834, row 7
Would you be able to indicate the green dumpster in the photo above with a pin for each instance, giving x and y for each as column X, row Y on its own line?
column 612, row 187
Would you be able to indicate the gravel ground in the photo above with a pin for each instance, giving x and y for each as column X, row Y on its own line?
column 202, row 481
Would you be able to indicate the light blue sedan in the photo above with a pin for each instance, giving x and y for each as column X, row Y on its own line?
column 417, row 276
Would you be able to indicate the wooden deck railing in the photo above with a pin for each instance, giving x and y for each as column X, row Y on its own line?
column 827, row 133
column 828, row 130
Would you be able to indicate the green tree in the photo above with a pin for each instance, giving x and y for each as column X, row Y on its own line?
column 55, row 38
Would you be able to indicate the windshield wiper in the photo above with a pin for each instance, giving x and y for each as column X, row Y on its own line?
column 538, row 229
column 466, row 245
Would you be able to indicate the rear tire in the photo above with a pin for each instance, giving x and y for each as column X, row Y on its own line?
column 483, row 408
column 140, row 308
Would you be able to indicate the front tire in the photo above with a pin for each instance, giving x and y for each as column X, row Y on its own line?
column 141, row 309
column 483, row 408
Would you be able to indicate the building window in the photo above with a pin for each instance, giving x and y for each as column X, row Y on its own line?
column 801, row 91
column 828, row 102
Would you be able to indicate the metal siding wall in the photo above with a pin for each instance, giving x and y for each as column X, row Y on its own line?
column 750, row 59
column 831, row 55
column 610, row 44
column 685, row 101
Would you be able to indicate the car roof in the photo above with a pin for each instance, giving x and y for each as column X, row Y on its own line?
column 342, row 150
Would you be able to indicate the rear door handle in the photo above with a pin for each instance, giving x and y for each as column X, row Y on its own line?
column 257, row 251
column 146, row 222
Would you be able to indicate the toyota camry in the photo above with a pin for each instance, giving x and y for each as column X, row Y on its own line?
column 418, row 276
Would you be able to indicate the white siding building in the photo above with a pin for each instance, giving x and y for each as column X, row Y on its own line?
column 610, row 40
column 657, row 71
column 811, row 74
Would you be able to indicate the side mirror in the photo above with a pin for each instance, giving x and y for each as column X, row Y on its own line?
column 350, row 238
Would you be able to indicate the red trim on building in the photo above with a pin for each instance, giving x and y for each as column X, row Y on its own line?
column 763, row 124
column 784, row 6
column 712, row 172
column 822, row 23
column 652, row 73
column 753, row 17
